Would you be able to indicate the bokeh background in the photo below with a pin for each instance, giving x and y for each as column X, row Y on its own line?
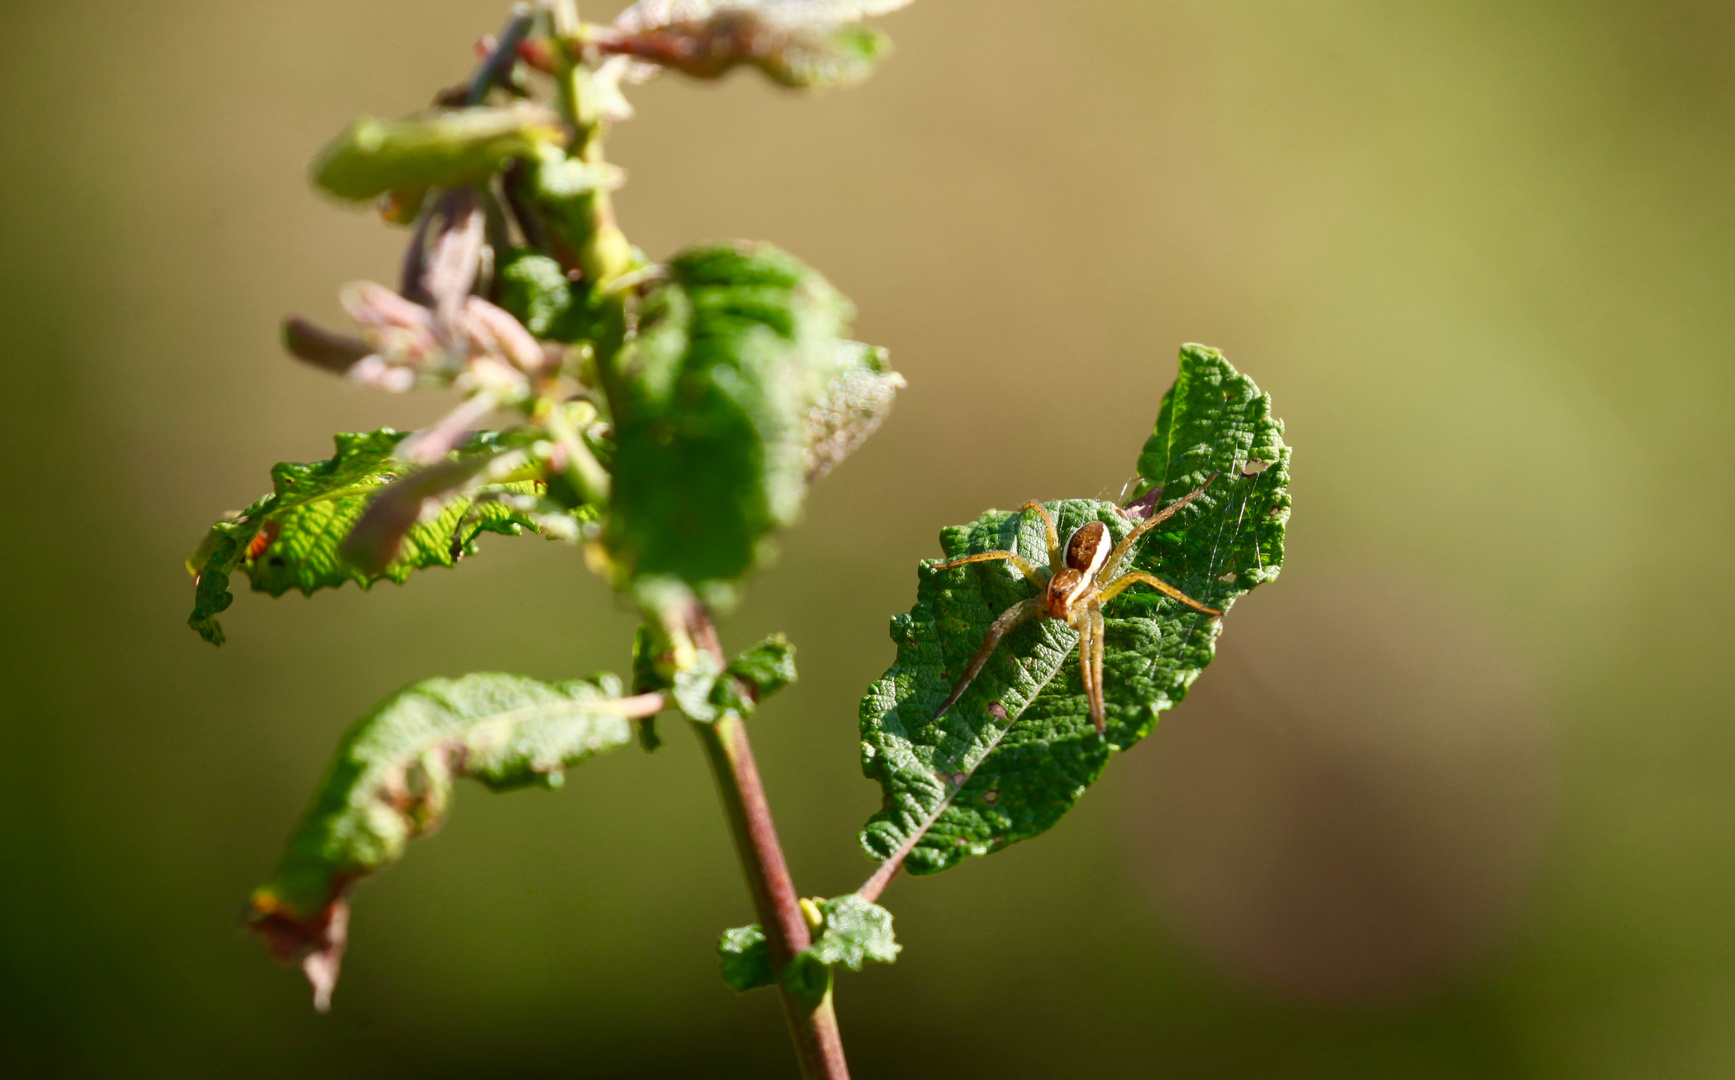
column 1455, row 802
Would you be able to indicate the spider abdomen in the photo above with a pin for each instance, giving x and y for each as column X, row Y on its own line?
column 1088, row 548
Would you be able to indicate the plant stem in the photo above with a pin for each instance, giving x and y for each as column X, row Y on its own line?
column 818, row 1046
column 502, row 56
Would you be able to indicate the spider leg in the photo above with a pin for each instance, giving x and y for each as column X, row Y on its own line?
column 1021, row 612
column 1125, row 581
column 1113, row 565
column 1084, row 671
column 1055, row 562
column 1012, row 557
column 1096, row 635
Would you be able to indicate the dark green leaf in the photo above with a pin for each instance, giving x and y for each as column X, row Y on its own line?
column 753, row 676
column 1019, row 748
column 290, row 538
column 807, row 977
column 852, row 931
column 392, row 781
column 746, row 966
column 535, row 290
column 450, row 148
column 710, row 406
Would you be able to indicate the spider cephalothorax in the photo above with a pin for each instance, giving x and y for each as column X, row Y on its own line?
column 1080, row 578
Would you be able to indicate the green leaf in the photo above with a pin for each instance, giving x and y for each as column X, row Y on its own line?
column 852, row 931
column 752, row 677
column 710, row 405
column 536, row 291
column 746, row 965
column 704, row 693
column 450, row 148
column 392, row 781
column 290, row 538
column 1018, row 749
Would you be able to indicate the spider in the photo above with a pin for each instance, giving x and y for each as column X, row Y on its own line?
column 1079, row 580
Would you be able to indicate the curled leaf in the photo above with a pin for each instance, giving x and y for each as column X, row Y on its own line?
column 289, row 539
column 392, row 781
column 378, row 535
column 448, row 148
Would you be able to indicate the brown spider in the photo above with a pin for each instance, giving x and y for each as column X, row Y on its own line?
column 1079, row 580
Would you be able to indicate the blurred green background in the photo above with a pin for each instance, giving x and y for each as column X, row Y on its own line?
column 1455, row 802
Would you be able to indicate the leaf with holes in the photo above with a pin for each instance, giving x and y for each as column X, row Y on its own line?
column 392, row 781
column 290, row 539
column 1019, row 748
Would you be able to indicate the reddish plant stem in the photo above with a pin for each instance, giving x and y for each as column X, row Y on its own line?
column 875, row 885
column 813, row 1028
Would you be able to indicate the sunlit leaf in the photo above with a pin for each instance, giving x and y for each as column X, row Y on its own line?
column 711, row 406
column 392, row 781
column 854, row 932
column 290, row 539
column 852, row 408
column 449, row 148
column 1014, row 754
